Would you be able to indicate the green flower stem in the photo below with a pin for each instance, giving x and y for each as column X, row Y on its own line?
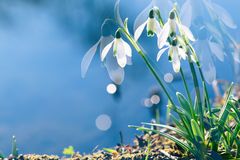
column 135, row 45
column 194, row 75
column 204, row 84
column 147, row 62
column 186, row 87
column 197, row 90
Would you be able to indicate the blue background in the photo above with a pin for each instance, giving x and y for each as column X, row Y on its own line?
column 44, row 101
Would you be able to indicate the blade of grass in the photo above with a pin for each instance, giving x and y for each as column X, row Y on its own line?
column 185, row 105
column 178, row 131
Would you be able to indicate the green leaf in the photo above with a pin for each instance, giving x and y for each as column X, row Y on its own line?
column 177, row 123
column 183, row 145
column 185, row 105
column 215, row 110
column 196, row 131
column 2, row 156
column 112, row 151
column 234, row 107
column 207, row 102
column 178, row 131
column 14, row 147
column 235, row 134
column 69, row 151
column 225, row 109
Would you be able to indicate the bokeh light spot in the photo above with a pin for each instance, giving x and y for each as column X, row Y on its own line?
column 155, row 99
column 103, row 122
column 111, row 88
column 168, row 77
column 147, row 102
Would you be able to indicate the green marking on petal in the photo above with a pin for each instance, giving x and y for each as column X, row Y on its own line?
column 173, row 34
column 150, row 33
column 174, row 42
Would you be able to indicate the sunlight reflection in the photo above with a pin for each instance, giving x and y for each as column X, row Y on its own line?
column 155, row 99
column 103, row 122
column 111, row 88
column 168, row 77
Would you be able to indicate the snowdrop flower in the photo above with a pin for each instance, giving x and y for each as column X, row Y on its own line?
column 175, row 53
column 152, row 25
column 170, row 29
column 122, row 51
column 140, row 22
column 115, row 72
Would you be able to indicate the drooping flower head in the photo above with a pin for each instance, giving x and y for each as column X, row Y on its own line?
column 174, row 37
column 176, row 52
column 115, row 72
column 171, row 28
column 151, row 24
column 122, row 51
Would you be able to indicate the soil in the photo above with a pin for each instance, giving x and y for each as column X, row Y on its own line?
column 154, row 147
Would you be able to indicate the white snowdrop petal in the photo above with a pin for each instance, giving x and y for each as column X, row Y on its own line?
column 217, row 50
column 175, row 60
column 122, row 60
column 187, row 32
column 170, row 52
column 105, row 40
column 142, row 16
column 127, row 49
column 182, row 53
column 88, row 58
column 157, row 28
column 163, row 36
column 120, row 54
column 160, row 53
column 106, row 50
column 129, row 60
column 115, row 72
column 139, row 31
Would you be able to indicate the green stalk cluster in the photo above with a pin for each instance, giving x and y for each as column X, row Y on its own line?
column 204, row 132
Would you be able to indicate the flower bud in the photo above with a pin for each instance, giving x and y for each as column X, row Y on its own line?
column 172, row 15
column 118, row 34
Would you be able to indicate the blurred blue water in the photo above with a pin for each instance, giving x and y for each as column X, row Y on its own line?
column 44, row 101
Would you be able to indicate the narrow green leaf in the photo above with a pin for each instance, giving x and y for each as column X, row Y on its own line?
column 196, row 130
column 177, row 123
column 69, row 151
column 235, row 134
column 236, row 110
column 185, row 105
column 178, row 131
column 109, row 150
column 183, row 145
column 14, row 147
column 207, row 102
column 225, row 109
